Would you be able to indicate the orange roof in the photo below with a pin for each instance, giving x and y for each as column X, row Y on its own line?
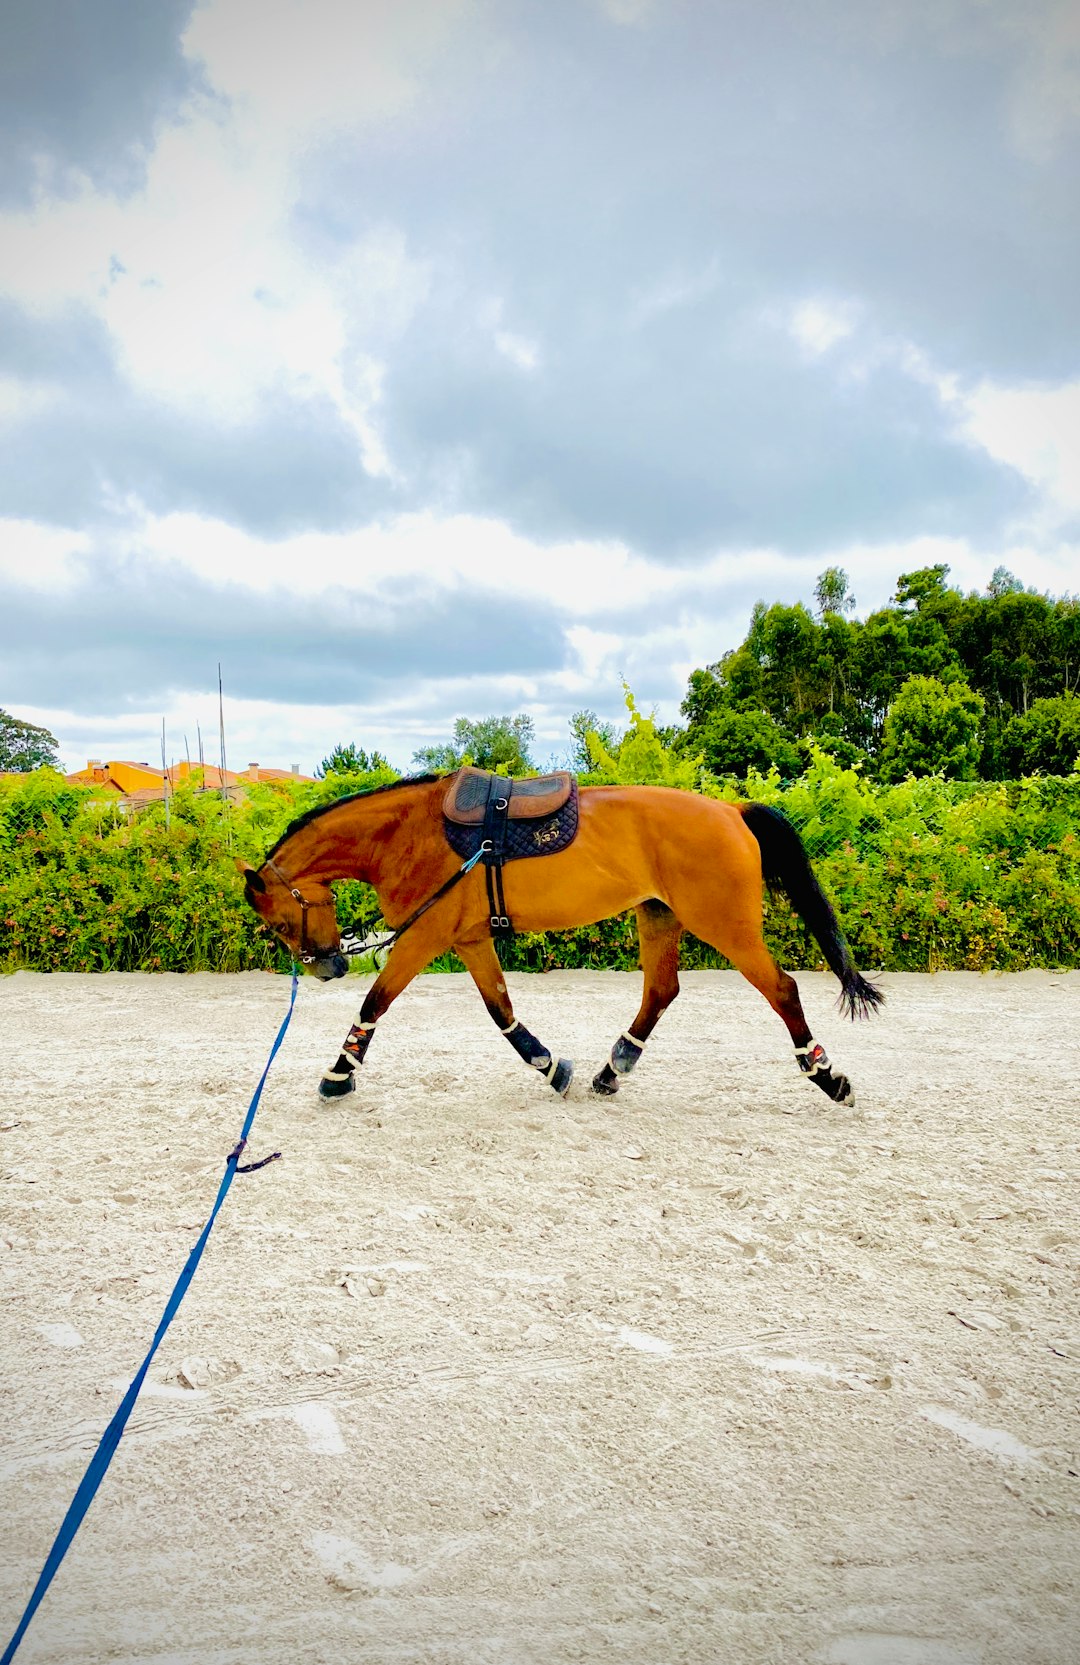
column 139, row 779
column 254, row 771
column 118, row 776
column 211, row 774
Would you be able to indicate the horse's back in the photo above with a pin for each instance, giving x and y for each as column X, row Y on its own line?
column 666, row 807
column 670, row 837
column 635, row 844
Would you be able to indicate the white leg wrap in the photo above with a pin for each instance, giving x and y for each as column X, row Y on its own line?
column 812, row 1059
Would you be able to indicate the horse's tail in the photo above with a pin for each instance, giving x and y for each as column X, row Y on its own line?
column 786, row 867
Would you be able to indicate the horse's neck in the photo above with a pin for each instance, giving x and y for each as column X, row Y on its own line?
column 345, row 842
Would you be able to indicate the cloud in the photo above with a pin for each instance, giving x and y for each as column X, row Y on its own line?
column 1036, row 431
column 717, row 166
column 588, row 325
column 84, row 91
column 83, row 443
column 129, row 633
column 439, row 257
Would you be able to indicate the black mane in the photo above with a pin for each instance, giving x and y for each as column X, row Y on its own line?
column 349, row 798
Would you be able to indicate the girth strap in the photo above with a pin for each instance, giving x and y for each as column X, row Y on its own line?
column 496, row 815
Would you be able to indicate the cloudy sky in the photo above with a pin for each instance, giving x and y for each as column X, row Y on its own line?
column 426, row 358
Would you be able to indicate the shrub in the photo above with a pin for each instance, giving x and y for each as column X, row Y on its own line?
column 925, row 873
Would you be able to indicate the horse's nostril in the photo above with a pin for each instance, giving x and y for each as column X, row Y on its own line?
column 340, row 965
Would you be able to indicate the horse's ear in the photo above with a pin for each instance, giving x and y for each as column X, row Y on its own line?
column 251, row 878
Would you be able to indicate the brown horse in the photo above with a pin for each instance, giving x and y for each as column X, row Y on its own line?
column 683, row 862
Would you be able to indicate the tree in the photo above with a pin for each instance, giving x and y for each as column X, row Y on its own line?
column 499, row 743
column 829, row 736
column 1066, row 633
column 734, row 742
column 351, row 760
column 831, row 592
column 704, row 693
column 1045, row 739
column 887, row 649
column 1003, row 582
column 1011, row 647
column 836, row 648
column 932, row 728
column 925, row 584
column 582, row 725
column 25, row 746
column 786, row 642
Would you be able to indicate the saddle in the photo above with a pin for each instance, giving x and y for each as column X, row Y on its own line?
column 508, row 820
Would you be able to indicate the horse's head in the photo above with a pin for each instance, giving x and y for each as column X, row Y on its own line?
column 305, row 920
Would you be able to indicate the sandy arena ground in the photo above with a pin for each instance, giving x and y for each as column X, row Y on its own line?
column 709, row 1374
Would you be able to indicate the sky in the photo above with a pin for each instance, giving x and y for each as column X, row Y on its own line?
column 416, row 359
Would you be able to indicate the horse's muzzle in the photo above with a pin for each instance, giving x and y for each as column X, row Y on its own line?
column 334, row 965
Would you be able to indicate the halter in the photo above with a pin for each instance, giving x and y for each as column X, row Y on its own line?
column 304, row 957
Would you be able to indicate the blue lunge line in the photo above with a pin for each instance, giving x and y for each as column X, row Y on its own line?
column 110, row 1439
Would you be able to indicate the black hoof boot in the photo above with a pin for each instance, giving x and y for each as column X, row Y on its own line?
column 329, row 1088
column 625, row 1054
column 606, row 1082
column 562, row 1076
column 838, row 1088
column 814, row 1063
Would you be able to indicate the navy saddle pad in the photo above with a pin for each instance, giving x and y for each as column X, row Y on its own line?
column 541, row 817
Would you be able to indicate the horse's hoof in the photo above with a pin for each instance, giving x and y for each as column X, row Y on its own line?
column 836, row 1087
column 606, row 1082
column 329, row 1088
column 561, row 1079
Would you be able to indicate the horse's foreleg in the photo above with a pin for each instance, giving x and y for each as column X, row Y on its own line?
column 407, row 958
column 658, row 939
column 482, row 964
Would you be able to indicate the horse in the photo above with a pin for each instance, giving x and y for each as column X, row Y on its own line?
column 682, row 861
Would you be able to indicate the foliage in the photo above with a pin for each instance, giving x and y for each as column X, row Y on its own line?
column 498, row 743
column 582, row 725
column 641, row 757
column 25, row 746
column 931, row 729
column 921, row 587
column 925, row 872
column 1045, row 738
column 350, row 760
column 88, row 887
column 832, row 594
column 833, row 678
column 734, row 742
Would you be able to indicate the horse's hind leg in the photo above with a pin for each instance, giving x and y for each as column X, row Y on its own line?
column 658, row 939
column 781, row 991
column 482, row 964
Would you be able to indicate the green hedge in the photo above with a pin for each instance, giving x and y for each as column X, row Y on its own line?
column 925, row 875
